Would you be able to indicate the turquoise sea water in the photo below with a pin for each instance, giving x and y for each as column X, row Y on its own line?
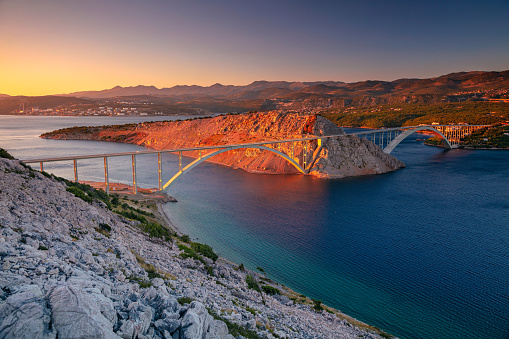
column 422, row 252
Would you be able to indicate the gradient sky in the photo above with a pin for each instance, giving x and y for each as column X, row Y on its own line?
column 62, row 46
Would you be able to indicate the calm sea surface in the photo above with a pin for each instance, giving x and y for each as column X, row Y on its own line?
column 422, row 252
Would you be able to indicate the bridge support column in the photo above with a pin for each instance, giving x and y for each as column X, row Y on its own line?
column 106, row 178
column 75, row 165
column 305, row 154
column 135, row 189
column 159, row 171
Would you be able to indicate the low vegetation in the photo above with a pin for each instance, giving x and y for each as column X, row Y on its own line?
column 252, row 283
column 270, row 290
column 5, row 154
column 473, row 113
column 234, row 329
column 497, row 137
column 185, row 300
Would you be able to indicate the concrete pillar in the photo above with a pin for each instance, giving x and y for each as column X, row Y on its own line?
column 135, row 189
column 160, row 170
column 75, row 165
column 106, row 177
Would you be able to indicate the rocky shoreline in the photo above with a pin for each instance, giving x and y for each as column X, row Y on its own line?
column 74, row 269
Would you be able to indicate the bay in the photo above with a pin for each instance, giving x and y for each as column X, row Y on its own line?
column 422, row 252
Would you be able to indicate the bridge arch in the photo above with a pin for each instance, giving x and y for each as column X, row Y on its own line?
column 210, row 155
column 396, row 141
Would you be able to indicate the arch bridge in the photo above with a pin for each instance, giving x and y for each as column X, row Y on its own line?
column 387, row 139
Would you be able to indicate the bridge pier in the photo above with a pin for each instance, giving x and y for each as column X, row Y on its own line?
column 75, row 165
column 135, row 189
column 159, row 171
column 106, row 178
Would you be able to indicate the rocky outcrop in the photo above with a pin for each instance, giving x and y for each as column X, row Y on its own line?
column 334, row 158
column 62, row 276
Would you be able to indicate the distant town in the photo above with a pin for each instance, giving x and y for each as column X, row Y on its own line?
column 102, row 110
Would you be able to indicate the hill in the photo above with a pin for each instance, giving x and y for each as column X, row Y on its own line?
column 308, row 97
column 72, row 268
column 454, row 84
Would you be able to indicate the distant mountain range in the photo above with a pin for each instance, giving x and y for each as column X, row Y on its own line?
column 443, row 85
column 216, row 90
column 267, row 95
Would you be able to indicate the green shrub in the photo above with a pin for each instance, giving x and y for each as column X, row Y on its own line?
column 141, row 282
column 234, row 329
column 251, row 310
column 188, row 252
column 317, row 305
column 79, row 193
column 115, row 201
column 105, row 227
column 46, row 174
column 133, row 216
column 185, row 238
column 5, row 154
column 42, row 248
column 185, row 300
column 205, row 250
column 86, row 192
column 252, row 283
column 103, row 232
column 152, row 272
column 270, row 290
column 155, row 230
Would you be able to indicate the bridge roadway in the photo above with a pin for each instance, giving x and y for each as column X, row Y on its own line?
column 391, row 137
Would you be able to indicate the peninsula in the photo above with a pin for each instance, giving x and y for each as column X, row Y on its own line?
column 335, row 158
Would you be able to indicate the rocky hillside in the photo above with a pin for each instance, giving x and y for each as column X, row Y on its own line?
column 72, row 269
column 335, row 158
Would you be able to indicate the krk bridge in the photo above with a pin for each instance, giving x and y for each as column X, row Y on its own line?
column 387, row 139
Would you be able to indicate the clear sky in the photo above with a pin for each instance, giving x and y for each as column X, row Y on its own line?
column 62, row 46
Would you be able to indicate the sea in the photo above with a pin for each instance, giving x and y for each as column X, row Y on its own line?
column 422, row 252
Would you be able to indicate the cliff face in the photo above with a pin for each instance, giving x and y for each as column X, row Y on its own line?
column 336, row 158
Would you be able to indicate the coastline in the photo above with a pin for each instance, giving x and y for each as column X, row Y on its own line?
column 126, row 281
column 291, row 294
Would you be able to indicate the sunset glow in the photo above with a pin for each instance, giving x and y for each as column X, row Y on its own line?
column 55, row 46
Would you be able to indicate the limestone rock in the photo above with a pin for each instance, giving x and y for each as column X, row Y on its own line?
column 25, row 315
column 217, row 330
column 76, row 314
column 195, row 322
column 138, row 323
column 85, row 286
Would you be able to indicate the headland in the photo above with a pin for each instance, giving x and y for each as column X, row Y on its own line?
column 334, row 158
